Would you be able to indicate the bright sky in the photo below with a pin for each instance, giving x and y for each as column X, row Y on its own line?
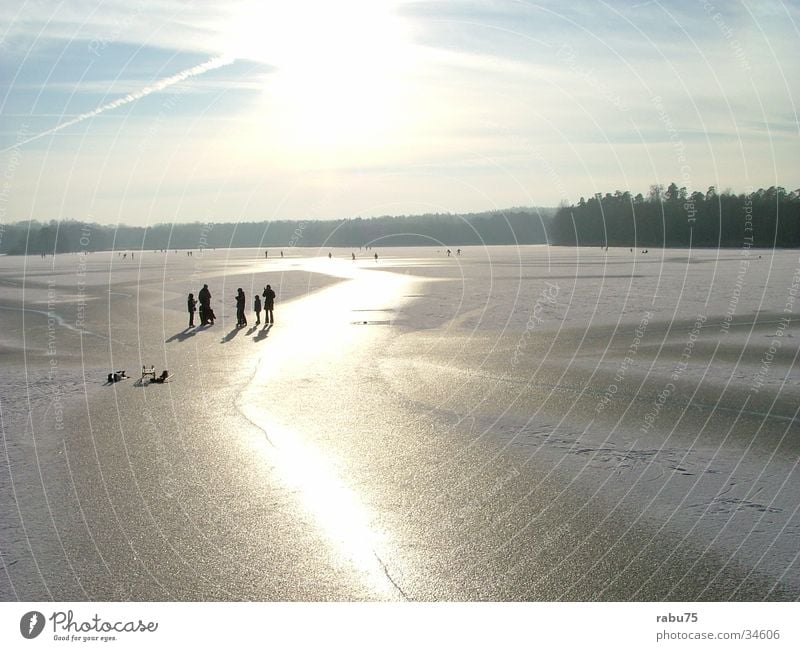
column 161, row 111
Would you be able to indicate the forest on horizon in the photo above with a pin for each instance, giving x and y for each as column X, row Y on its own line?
column 517, row 225
column 666, row 217
column 675, row 217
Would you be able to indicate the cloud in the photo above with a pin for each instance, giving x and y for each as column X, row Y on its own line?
column 157, row 23
column 460, row 82
column 212, row 64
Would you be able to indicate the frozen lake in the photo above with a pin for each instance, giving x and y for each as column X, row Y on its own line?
column 509, row 423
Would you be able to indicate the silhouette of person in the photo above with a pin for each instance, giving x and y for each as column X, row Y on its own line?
column 448, row 253
column 354, row 255
column 269, row 304
column 191, row 304
column 281, row 253
column 257, row 308
column 266, row 254
column 241, row 320
column 458, row 252
column 206, row 315
column 329, row 255
column 376, row 257
column 161, row 378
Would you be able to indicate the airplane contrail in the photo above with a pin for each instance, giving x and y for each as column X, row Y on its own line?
column 216, row 62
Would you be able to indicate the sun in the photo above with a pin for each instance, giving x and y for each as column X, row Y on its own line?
column 340, row 66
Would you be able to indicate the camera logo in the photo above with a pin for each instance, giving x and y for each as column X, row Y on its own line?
column 31, row 624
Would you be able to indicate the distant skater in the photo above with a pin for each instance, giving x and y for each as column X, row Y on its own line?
column 266, row 254
column 191, row 304
column 241, row 320
column 257, row 308
column 354, row 256
column 281, row 253
column 269, row 304
column 206, row 314
column 329, row 255
column 376, row 257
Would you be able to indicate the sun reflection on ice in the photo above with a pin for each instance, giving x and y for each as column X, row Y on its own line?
column 312, row 334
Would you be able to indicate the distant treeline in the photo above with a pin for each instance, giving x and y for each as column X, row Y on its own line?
column 676, row 218
column 524, row 226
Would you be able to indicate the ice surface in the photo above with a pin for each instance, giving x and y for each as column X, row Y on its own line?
column 511, row 423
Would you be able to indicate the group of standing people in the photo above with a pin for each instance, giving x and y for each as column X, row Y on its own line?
column 207, row 315
column 269, row 305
